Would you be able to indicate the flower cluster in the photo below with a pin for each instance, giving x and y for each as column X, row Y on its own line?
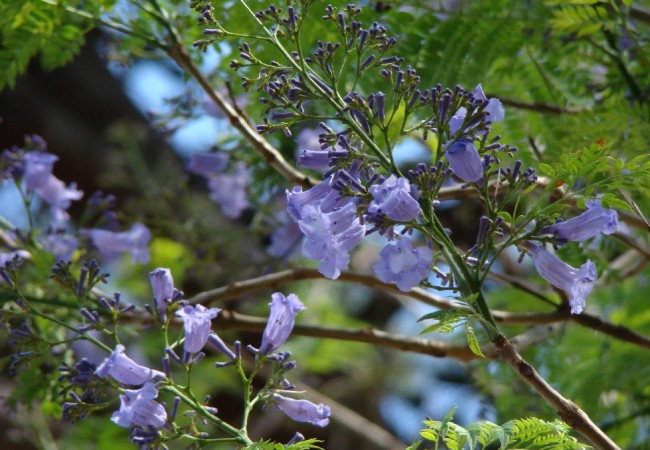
column 150, row 421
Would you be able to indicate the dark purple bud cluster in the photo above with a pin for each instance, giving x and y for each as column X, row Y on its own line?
column 323, row 56
column 100, row 212
column 516, row 176
column 115, row 304
column 82, row 387
column 429, row 178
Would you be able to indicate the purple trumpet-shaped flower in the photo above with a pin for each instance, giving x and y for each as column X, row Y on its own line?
column 330, row 237
column 138, row 408
column 281, row 320
column 206, row 164
column 393, row 198
column 494, row 107
column 229, row 191
column 196, row 322
column 135, row 241
column 38, row 169
column 38, row 178
column 577, row 283
column 162, row 285
column 465, row 160
column 457, row 120
column 124, row 370
column 403, row 264
column 303, row 410
column 588, row 224
column 285, row 237
column 297, row 199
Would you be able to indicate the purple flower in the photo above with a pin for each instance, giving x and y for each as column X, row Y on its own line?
column 297, row 199
column 403, row 264
column 229, row 191
column 206, row 164
column 58, row 196
column 137, row 407
column 303, row 410
column 38, row 168
column 577, row 283
column 62, row 246
column 281, row 320
column 494, row 108
column 124, row 370
column 38, row 178
column 134, row 241
column 457, row 120
column 162, row 285
column 465, row 160
column 331, row 236
column 393, row 198
column 588, row 224
column 196, row 322
column 284, row 238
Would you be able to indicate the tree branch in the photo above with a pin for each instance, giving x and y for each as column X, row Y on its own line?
column 568, row 411
column 270, row 154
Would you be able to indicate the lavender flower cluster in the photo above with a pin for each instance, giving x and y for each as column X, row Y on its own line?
column 363, row 191
column 30, row 168
column 151, row 422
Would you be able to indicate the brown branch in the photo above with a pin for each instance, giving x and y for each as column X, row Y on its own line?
column 540, row 107
column 230, row 320
column 270, row 154
column 240, row 288
column 568, row 411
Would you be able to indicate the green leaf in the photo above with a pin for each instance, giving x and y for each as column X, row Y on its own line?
column 472, row 341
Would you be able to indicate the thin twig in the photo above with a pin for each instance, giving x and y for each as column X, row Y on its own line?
column 270, row 154
column 568, row 411
column 271, row 281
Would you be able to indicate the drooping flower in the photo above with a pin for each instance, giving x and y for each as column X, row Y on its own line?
column 285, row 237
column 330, row 237
column 494, row 108
column 38, row 178
column 393, row 198
column 124, row 370
column 162, row 285
column 588, row 224
column 134, row 241
column 38, row 168
column 59, row 196
column 138, row 407
column 196, row 322
column 297, row 199
column 281, row 321
column 577, row 283
column 303, row 410
column 403, row 264
column 465, row 160
column 229, row 191
column 206, row 164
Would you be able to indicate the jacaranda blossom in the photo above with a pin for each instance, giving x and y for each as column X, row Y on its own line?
column 162, row 285
column 577, row 283
column 303, row 410
column 329, row 237
column 281, row 321
column 587, row 225
column 196, row 322
column 38, row 168
column 393, row 198
column 138, row 408
column 124, row 370
column 229, row 191
column 134, row 241
column 403, row 264
column 465, row 160
column 494, row 107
